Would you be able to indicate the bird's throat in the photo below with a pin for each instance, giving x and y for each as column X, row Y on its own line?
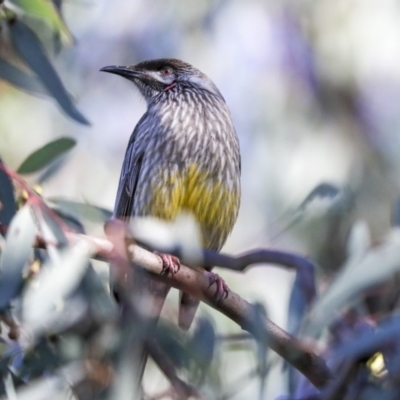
column 169, row 87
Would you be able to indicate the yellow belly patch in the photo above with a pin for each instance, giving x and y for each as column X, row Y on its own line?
column 212, row 203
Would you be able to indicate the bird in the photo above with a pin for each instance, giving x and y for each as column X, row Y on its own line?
column 183, row 156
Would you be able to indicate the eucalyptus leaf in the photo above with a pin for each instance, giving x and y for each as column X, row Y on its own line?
column 48, row 11
column 45, row 155
column 297, row 306
column 20, row 78
column 51, row 170
column 101, row 304
column 72, row 222
column 171, row 343
column 324, row 191
column 29, row 48
column 367, row 340
column 360, row 272
column 81, row 211
column 57, row 4
column 55, row 386
column 50, row 222
column 19, row 241
column 43, row 304
column 9, row 387
column 202, row 343
column 8, row 206
column 52, row 234
column 40, row 359
column 325, row 201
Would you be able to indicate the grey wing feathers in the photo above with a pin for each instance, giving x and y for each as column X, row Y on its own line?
column 128, row 181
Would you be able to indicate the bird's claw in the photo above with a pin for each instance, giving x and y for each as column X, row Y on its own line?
column 171, row 264
column 222, row 288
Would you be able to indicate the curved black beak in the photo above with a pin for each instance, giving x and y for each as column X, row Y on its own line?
column 126, row 72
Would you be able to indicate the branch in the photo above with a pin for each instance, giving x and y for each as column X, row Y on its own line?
column 302, row 265
column 183, row 390
column 196, row 282
column 336, row 389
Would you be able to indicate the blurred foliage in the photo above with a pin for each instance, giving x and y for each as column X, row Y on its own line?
column 24, row 60
column 7, row 200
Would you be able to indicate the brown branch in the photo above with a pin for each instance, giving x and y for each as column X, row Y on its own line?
column 302, row 265
column 241, row 262
column 196, row 281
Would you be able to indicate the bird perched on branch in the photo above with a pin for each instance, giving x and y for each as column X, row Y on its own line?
column 183, row 155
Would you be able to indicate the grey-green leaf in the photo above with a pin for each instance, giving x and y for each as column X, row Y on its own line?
column 19, row 241
column 363, row 269
column 57, row 279
column 8, row 206
column 45, row 155
column 57, row 4
column 81, row 211
column 20, row 78
column 49, row 226
column 31, row 51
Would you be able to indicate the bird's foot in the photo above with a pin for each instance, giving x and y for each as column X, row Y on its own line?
column 222, row 288
column 171, row 264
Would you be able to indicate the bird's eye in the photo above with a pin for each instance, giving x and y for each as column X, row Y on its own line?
column 166, row 71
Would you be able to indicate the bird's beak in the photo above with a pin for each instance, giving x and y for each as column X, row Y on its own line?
column 126, row 72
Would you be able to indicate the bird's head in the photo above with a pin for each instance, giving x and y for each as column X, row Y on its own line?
column 155, row 76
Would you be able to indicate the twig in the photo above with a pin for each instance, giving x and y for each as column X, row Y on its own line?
column 337, row 387
column 9, row 320
column 236, row 337
column 303, row 266
column 182, row 389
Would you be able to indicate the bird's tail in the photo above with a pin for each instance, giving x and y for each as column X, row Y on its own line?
column 154, row 293
column 187, row 310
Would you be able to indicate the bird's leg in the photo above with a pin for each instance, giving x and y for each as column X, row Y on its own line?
column 222, row 288
column 171, row 264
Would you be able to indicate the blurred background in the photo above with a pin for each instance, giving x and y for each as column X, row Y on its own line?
column 314, row 91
